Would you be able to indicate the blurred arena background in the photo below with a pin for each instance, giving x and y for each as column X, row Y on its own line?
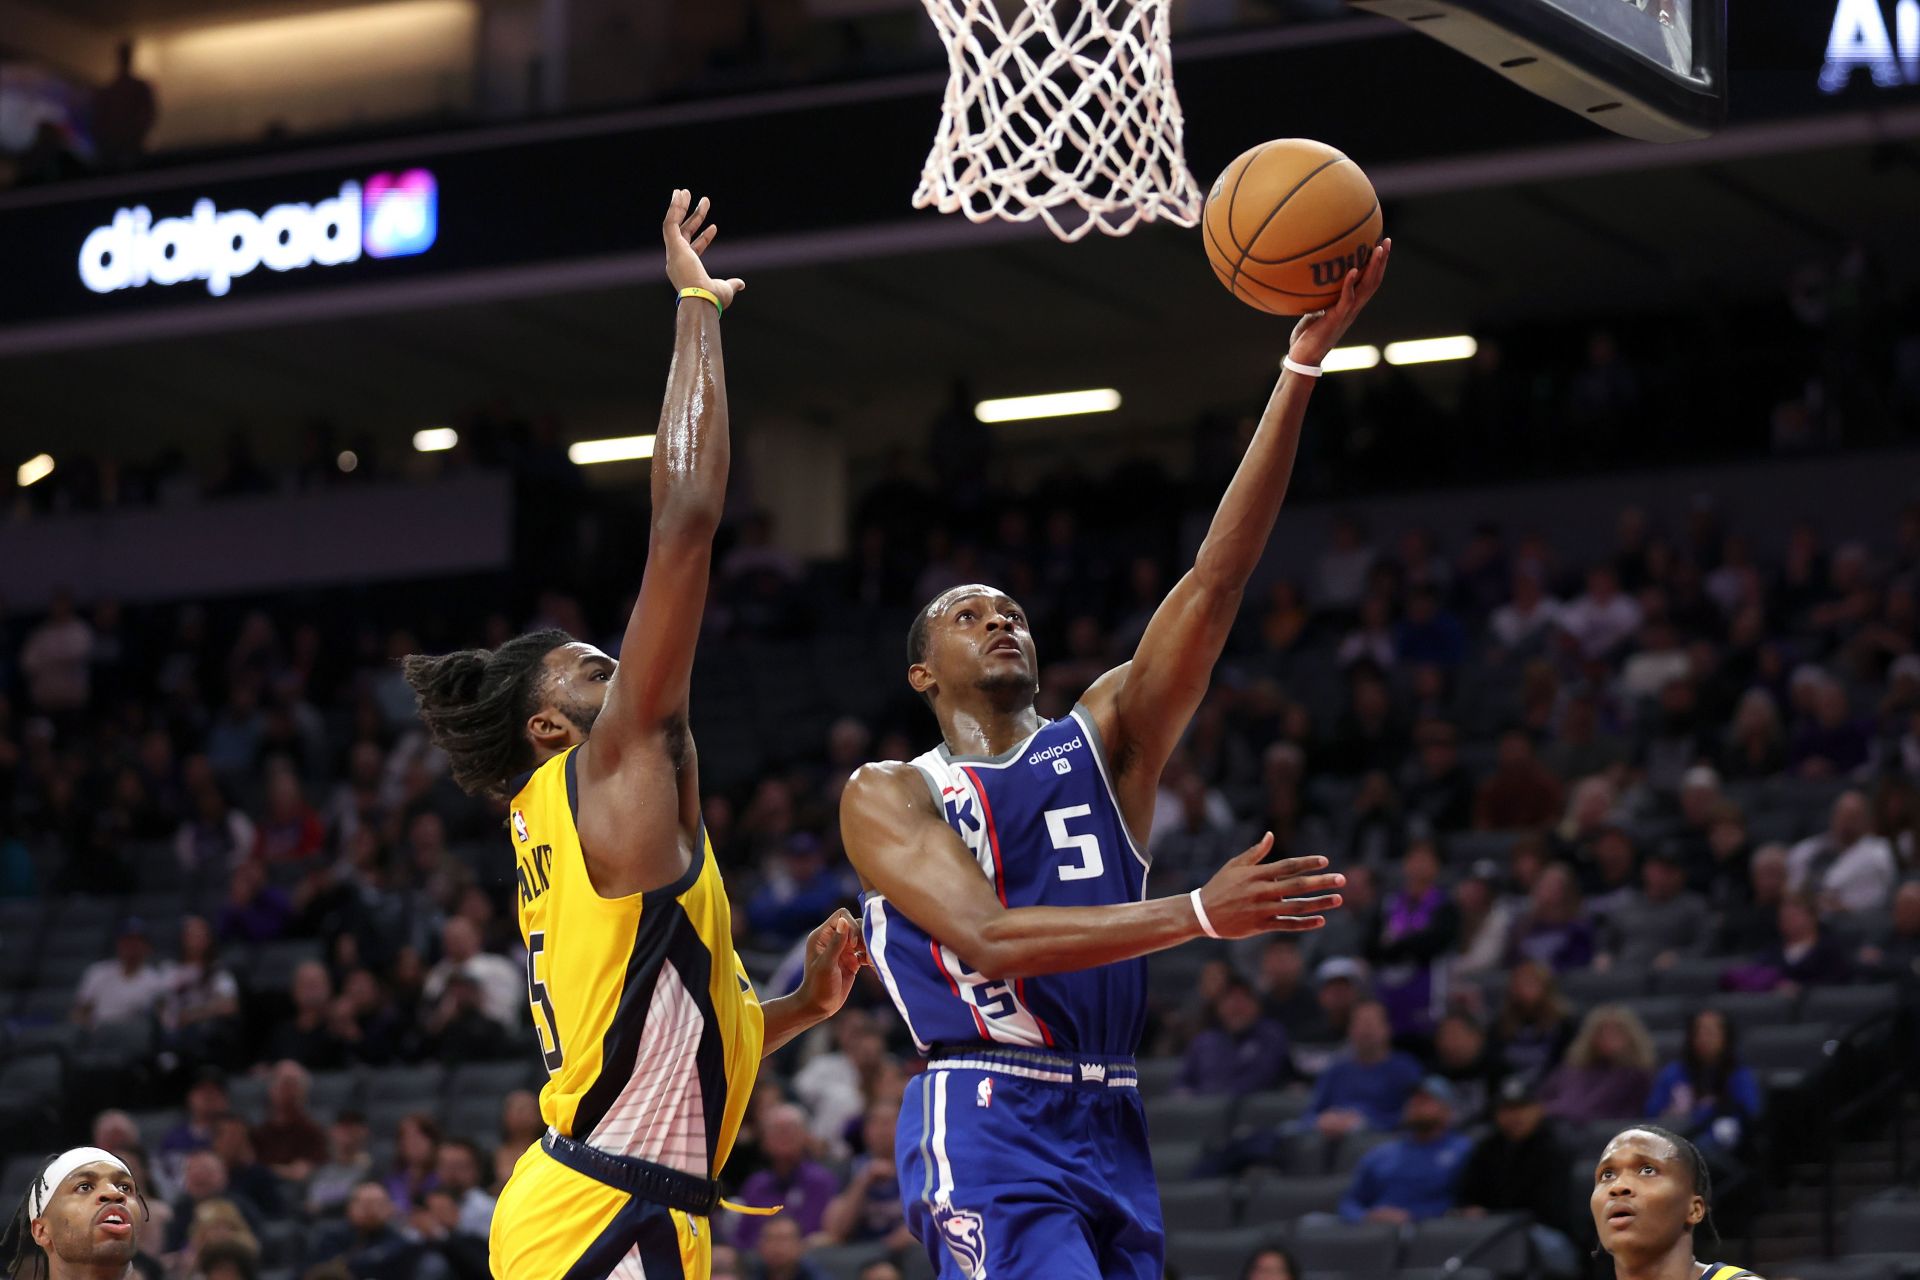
column 1604, row 603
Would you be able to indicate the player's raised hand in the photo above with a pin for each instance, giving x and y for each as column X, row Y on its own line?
column 686, row 240
column 1248, row 896
column 1320, row 331
column 835, row 953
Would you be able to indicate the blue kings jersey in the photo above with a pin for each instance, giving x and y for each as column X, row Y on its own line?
column 1043, row 823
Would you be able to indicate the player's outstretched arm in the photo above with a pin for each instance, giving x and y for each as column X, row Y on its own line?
column 646, row 704
column 834, row 956
column 902, row 848
column 1144, row 706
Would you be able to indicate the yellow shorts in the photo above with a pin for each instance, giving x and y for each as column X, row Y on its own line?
column 553, row 1223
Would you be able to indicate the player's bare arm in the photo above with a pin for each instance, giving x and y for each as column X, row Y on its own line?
column 640, row 825
column 1143, row 706
column 834, row 956
column 902, row 847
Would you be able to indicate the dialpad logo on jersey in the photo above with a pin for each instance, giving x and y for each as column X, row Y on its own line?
column 966, row 1238
column 397, row 215
column 1057, row 755
column 520, row 832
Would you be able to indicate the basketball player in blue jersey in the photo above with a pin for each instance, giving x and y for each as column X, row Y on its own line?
column 1006, row 878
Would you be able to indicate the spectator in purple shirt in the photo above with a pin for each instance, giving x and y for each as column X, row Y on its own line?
column 1243, row 1052
column 255, row 911
column 1832, row 744
column 1555, row 930
column 792, row 1178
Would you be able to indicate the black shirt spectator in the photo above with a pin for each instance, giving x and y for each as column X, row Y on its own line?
column 1521, row 1166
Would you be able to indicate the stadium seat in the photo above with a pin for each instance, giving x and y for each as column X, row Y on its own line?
column 247, row 1097
column 155, row 1125
column 1887, row 1223
column 1157, row 1076
column 1266, row 1110
column 333, row 1092
column 491, row 1079
column 1837, row 1269
column 843, row 1261
column 1348, row 1151
column 30, row 1077
column 1588, row 987
column 1278, row 1202
column 1173, row 1160
column 1205, row 1205
column 1796, row 1047
column 273, row 963
column 1689, row 978
column 121, row 1041
column 1749, row 1010
column 1842, row 1008
column 1664, row 1013
column 1346, row 1247
column 1189, row 1119
column 1497, row 1243
column 1215, row 1253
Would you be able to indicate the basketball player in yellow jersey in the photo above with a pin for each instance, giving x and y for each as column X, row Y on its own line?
column 651, row 1032
column 1651, row 1188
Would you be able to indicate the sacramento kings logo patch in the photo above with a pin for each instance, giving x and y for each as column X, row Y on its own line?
column 966, row 1237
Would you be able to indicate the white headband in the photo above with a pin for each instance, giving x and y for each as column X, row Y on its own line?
column 57, row 1172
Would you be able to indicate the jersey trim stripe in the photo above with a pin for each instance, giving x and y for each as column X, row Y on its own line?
column 1099, row 749
column 1000, row 887
column 993, row 836
column 878, row 905
column 943, row 1189
column 940, row 963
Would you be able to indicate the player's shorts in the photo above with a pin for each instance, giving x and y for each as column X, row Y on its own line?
column 572, row 1213
column 1021, row 1164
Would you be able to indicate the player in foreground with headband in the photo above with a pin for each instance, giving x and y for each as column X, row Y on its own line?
column 80, row 1220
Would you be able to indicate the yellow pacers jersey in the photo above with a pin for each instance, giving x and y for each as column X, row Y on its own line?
column 651, row 1031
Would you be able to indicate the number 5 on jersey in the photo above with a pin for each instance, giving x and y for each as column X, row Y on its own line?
column 547, row 1026
column 1088, row 865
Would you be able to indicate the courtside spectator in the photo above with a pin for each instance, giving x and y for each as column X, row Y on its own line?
column 1413, row 1176
column 1708, row 1095
column 792, row 1177
column 1607, row 1071
column 1661, row 922
column 129, row 986
column 1535, row 1024
column 1520, row 1167
column 780, row 1248
column 348, row 1165
column 1418, row 925
column 1486, row 922
column 502, row 983
column 1554, row 930
column 1243, row 1051
column 1520, row 792
column 289, row 1141
column 1367, row 1085
column 1846, row 867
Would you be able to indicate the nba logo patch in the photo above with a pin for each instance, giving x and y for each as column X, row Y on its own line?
column 1063, row 765
column 520, row 827
column 983, row 1092
column 966, row 1238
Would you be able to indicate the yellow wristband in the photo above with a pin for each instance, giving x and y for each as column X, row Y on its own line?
column 694, row 291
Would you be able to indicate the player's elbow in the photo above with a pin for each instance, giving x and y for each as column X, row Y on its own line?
column 993, row 953
column 688, row 519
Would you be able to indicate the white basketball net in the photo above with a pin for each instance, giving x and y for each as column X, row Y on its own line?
column 1041, row 120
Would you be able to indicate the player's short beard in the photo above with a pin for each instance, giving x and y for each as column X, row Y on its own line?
column 1004, row 686
column 582, row 713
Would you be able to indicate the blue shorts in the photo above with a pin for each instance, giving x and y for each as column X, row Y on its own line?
column 1018, row 1164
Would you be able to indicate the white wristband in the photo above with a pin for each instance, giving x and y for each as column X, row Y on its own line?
column 1294, row 366
column 1200, row 914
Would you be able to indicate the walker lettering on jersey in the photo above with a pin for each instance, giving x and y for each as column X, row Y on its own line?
column 531, row 872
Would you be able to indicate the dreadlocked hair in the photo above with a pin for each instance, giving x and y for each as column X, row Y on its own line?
column 26, row 1260
column 476, row 702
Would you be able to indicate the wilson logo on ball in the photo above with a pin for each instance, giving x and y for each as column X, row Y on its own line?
column 1332, row 271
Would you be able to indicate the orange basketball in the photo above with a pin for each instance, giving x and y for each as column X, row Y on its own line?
column 1285, row 222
